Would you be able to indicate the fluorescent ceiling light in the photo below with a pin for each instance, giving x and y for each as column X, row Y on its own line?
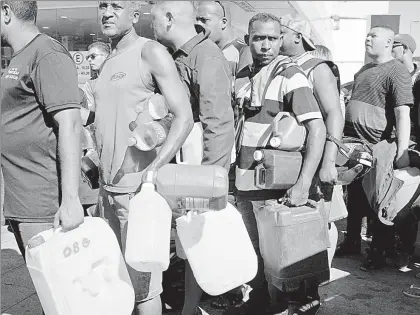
column 146, row 13
column 45, row 27
column 92, row 34
column 64, row 17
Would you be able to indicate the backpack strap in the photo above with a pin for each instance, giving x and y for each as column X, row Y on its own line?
column 315, row 62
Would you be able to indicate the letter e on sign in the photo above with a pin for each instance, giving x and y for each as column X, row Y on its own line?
column 78, row 58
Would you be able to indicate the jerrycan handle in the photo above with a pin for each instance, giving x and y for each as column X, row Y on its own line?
column 260, row 176
column 150, row 181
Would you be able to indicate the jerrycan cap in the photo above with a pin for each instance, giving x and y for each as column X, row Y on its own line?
column 258, row 155
column 133, row 125
column 275, row 142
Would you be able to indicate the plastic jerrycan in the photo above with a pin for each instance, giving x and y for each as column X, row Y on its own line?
column 191, row 151
column 148, row 230
column 80, row 272
column 193, row 187
column 288, row 134
column 277, row 169
column 411, row 187
column 218, row 248
column 150, row 135
column 291, row 239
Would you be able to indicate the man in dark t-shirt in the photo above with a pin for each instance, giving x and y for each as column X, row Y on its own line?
column 379, row 109
column 40, row 116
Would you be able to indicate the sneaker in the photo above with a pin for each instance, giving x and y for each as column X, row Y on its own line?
column 374, row 261
column 348, row 247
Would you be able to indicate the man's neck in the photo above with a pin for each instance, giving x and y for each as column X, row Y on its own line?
column 183, row 38
column 26, row 35
column 382, row 58
column 227, row 38
column 409, row 65
column 124, row 41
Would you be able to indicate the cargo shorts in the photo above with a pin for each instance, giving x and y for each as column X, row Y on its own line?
column 113, row 207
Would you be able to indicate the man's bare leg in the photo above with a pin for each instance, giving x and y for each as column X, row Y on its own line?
column 193, row 292
column 150, row 307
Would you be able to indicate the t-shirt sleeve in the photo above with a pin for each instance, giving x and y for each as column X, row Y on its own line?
column 55, row 82
column 299, row 97
column 245, row 59
column 401, row 87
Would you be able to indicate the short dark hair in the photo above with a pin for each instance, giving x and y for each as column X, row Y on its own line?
column 25, row 11
column 384, row 27
column 102, row 46
column 262, row 17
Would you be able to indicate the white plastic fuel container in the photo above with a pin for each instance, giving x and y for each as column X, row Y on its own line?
column 218, row 248
column 411, row 177
column 148, row 230
column 191, row 151
column 80, row 272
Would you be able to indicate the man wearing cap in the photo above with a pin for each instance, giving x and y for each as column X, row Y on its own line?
column 323, row 77
column 324, row 80
column 403, row 49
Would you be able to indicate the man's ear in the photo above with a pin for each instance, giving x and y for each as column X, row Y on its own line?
column 298, row 38
column 224, row 23
column 7, row 13
column 246, row 38
column 136, row 17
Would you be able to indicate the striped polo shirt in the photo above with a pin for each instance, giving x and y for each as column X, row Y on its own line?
column 378, row 89
column 288, row 92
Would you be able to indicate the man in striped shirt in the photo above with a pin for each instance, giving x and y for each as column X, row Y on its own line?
column 288, row 92
column 379, row 109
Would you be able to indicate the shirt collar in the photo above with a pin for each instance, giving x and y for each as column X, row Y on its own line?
column 189, row 46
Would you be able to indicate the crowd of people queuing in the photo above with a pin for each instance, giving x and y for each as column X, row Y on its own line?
column 209, row 78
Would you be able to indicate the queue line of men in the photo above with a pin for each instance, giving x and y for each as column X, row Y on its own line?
column 196, row 82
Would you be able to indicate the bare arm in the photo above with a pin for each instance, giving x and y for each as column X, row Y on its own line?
column 314, row 148
column 402, row 119
column 326, row 93
column 69, row 148
column 163, row 69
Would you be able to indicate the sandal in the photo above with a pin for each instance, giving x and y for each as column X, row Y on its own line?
column 412, row 291
column 310, row 308
column 226, row 300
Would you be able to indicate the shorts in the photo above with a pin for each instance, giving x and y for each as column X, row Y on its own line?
column 24, row 231
column 113, row 207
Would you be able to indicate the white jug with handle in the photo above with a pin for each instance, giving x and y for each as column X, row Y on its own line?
column 80, row 272
column 148, row 230
column 218, row 248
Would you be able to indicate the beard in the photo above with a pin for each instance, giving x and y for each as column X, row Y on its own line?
column 4, row 41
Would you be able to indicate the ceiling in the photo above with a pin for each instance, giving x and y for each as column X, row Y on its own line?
column 80, row 18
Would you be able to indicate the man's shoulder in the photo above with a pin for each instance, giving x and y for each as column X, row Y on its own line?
column 46, row 45
column 207, row 49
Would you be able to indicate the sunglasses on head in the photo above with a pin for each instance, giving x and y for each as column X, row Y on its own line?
column 398, row 45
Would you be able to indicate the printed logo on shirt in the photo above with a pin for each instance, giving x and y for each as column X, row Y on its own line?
column 117, row 76
column 12, row 73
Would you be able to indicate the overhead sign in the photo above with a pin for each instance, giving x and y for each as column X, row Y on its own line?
column 82, row 65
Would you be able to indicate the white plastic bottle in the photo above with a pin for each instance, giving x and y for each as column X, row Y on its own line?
column 148, row 230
